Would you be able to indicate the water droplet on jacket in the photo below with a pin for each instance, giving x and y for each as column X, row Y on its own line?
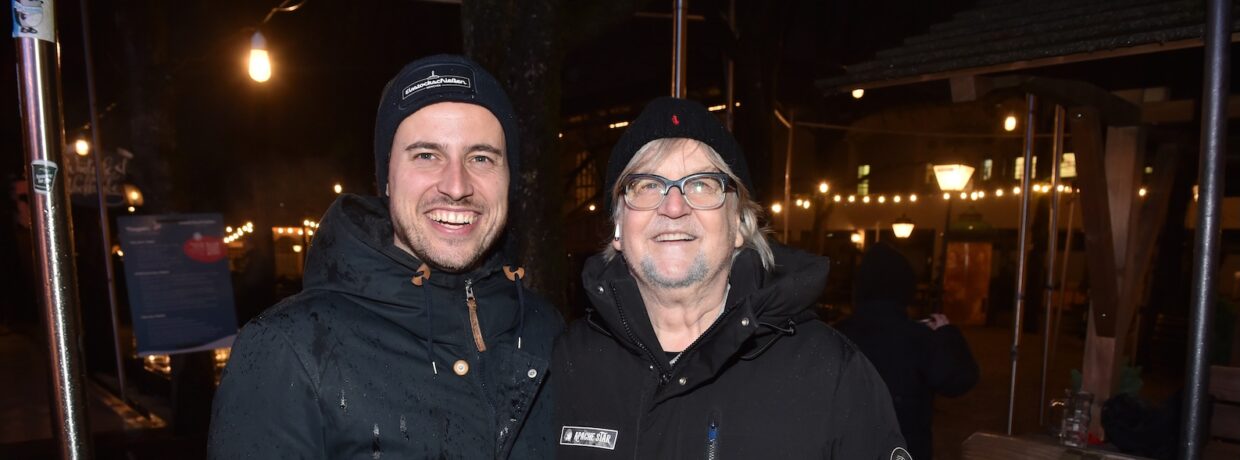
column 344, row 405
column 404, row 429
column 374, row 446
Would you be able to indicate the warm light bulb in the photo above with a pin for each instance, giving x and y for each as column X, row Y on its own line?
column 896, row 199
column 81, row 147
column 882, row 199
column 338, row 188
column 1142, row 191
column 260, row 61
column 592, row 207
column 823, row 187
column 947, row 196
column 998, row 192
column 1009, row 123
column 912, row 198
column 836, row 199
column 858, row 93
column 777, row 208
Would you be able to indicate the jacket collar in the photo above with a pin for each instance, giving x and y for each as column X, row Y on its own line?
column 759, row 305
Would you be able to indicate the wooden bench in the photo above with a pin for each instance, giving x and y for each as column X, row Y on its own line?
column 1225, row 418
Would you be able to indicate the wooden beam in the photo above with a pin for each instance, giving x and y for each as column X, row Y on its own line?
column 1086, row 128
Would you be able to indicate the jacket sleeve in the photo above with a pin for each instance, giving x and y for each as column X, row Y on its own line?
column 952, row 371
column 863, row 422
column 267, row 404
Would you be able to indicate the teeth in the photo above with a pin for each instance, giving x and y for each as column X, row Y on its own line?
column 674, row 237
column 449, row 217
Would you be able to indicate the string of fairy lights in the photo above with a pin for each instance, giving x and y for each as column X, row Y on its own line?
column 976, row 195
column 307, row 228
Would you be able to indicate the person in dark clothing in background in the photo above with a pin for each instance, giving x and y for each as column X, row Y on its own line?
column 917, row 359
column 700, row 340
column 414, row 336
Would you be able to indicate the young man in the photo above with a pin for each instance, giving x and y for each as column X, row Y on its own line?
column 699, row 341
column 413, row 337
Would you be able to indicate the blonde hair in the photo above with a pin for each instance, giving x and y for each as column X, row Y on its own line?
column 752, row 235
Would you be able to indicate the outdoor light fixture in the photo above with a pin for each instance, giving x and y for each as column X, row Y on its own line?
column 1009, row 123
column 260, row 60
column 953, row 178
column 81, row 147
column 296, row 248
column 133, row 196
column 865, row 199
column 836, row 199
column 857, row 237
column 1016, row 190
column 902, row 227
column 913, row 198
column 132, row 209
column 799, row 201
column 882, row 199
column 852, row 198
column 858, row 93
column 591, row 207
column 947, row 196
column 998, row 192
column 896, row 199
column 777, row 208
column 823, row 187
column 1142, row 192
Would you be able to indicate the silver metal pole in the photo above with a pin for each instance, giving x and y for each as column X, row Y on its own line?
column 1022, row 241
column 43, row 136
column 789, row 123
column 941, row 282
column 1209, row 210
column 1063, row 280
column 1052, row 240
column 679, row 24
column 105, row 226
column 730, row 118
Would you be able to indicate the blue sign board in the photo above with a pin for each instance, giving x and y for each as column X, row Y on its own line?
column 180, row 293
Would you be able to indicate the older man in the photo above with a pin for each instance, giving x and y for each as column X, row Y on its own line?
column 699, row 341
column 413, row 337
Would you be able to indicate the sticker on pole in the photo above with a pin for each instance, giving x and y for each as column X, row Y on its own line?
column 34, row 19
column 43, row 174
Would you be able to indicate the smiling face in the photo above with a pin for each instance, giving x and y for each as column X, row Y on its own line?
column 448, row 184
column 675, row 246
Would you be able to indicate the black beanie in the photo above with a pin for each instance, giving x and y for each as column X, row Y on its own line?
column 885, row 277
column 669, row 117
column 435, row 79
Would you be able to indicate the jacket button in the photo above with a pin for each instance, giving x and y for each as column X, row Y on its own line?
column 744, row 321
column 532, row 373
column 460, row 367
column 683, row 381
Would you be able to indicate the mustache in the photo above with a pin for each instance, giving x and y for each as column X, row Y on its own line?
column 467, row 203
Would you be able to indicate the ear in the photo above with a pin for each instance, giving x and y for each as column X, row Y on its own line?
column 615, row 244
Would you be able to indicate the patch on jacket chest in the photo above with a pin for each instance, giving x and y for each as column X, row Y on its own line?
column 585, row 436
column 900, row 454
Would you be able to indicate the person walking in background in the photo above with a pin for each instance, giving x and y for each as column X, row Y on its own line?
column 917, row 359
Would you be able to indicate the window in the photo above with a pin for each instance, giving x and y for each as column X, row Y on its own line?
column 930, row 178
column 988, row 167
column 1019, row 171
column 1067, row 166
column 585, row 184
column 863, row 180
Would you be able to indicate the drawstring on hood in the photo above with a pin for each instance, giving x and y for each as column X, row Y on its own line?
column 354, row 253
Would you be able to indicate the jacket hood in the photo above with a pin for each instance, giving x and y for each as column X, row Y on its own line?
column 777, row 299
column 353, row 253
column 885, row 283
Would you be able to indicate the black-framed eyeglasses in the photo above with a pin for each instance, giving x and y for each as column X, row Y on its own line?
column 702, row 191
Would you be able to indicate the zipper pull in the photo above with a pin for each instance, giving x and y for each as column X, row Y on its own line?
column 472, row 303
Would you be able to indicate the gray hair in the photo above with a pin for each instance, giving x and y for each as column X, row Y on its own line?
column 752, row 235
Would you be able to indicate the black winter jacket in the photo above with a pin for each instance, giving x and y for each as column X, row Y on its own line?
column 766, row 380
column 915, row 361
column 373, row 359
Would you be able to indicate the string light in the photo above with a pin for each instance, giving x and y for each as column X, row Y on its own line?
column 865, row 199
column 837, row 199
column 852, row 198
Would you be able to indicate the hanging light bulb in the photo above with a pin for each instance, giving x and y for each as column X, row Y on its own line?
column 858, row 93
column 260, row 60
column 81, row 147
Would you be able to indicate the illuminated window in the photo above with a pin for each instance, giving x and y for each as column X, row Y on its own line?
column 1067, row 167
column 863, row 180
column 988, row 167
column 585, row 184
column 1019, row 172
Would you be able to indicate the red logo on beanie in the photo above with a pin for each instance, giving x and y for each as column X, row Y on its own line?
column 675, row 121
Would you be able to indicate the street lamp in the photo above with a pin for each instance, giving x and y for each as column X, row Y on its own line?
column 951, row 178
column 902, row 227
column 260, row 60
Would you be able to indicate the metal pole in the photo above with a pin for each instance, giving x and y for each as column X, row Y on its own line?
column 1051, row 241
column 1022, row 241
column 104, row 225
column 1063, row 279
column 789, row 123
column 942, row 281
column 1206, row 240
column 43, row 136
column 730, row 118
column 679, row 24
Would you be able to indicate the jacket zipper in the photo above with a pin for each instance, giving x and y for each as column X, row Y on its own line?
column 662, row 377
column 472, row 303
column 698, row 340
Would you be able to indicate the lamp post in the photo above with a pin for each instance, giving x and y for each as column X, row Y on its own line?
column 902, row 227
column 951, row 178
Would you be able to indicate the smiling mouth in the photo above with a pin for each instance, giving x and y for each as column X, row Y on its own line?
column 674, row 237
column 452, row 219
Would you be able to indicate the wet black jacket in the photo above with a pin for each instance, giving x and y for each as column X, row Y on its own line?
column 766, row 380
column 375, row 360
column 915, row 361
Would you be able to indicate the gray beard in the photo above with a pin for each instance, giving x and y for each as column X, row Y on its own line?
column 697, row 273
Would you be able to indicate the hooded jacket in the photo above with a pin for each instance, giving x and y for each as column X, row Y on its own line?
column 915, row 361
column 377, row 358
column 765, row 380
